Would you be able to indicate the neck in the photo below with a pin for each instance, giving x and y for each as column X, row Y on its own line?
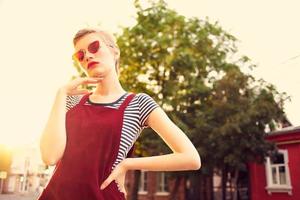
column 109, row 85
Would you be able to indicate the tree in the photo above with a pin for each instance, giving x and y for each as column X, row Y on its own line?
column 187, row 65
column 238, row 112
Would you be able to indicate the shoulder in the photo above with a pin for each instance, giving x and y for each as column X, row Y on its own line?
column 145, row 100
column 146, row 105
column 72, row 100
column 144, row 97
column 74, row 97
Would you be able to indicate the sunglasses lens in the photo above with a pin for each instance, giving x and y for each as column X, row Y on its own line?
column 80, row 55
column 93, row 47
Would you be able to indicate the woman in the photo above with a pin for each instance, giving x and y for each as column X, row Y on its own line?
column 90, row 136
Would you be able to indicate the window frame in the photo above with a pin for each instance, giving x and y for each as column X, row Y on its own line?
column 162, row 181
column 143, row 179
column 271, row 186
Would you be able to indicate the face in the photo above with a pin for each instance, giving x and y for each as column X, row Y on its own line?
column 94, row 56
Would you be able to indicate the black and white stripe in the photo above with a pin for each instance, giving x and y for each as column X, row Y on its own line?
column 135, row 115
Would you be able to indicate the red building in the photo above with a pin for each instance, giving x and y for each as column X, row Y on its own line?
column 279, row 177
column 154, row 185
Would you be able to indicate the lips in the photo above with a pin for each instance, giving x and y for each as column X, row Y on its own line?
column 91, row 64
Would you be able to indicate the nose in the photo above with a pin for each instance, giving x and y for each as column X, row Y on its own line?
column 88, row 57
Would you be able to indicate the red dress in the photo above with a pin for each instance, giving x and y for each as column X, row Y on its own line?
column 93, row 139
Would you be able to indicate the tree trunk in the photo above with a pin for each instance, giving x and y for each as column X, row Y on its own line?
column 235, row 184
column 174, row 191
column 135, row 187
column 202, row 187
column 196, row 186
column 230, row 185
column 224, row 182
column 209, row 187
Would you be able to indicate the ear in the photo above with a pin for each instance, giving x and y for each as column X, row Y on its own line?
column 117, row 67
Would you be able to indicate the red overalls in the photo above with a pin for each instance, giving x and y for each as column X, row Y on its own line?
column 93, row 139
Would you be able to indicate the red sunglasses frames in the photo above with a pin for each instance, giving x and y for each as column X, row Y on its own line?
column 92, row 48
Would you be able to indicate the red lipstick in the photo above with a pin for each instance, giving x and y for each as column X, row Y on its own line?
column 92, row 63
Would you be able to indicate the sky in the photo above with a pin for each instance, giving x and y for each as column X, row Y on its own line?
column 36, row 48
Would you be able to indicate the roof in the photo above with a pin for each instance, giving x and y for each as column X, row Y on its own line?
column 286, row 130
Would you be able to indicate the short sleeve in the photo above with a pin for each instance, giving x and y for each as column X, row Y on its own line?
column 71, row 101
column 130, row 154
column 146, row 105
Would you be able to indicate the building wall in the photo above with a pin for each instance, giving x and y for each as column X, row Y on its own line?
column 27, row 172
column 258, row 180
column 151, row 192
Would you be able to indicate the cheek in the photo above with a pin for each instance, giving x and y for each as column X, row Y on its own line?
column 105, row 56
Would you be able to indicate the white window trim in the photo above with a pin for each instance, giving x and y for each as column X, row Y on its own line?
column 161, row 176
column 142, row 190
column 276, row 187
column 162, row 193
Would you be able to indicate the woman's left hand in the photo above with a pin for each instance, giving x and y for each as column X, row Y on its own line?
column 118, row 174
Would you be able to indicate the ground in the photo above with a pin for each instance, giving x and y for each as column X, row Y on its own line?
column 31, row 196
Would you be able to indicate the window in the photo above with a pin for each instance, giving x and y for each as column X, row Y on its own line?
column 143, row 184
column 277, row 173
column 162, row 184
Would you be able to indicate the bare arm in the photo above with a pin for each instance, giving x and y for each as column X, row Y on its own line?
column 184, row 156
column 53, row 138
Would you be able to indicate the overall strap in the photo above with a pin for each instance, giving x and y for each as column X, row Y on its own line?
column 84, row 98
column 126, row 101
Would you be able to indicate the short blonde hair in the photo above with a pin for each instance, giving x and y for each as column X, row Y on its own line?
column 107, row 37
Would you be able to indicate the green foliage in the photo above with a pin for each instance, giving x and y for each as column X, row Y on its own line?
column 239, row 112
column 184, row 63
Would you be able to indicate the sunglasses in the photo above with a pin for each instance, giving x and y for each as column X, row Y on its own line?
column 92, row 48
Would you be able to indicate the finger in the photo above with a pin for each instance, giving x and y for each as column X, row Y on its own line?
column 105, row 183
column 92, row 78
column 124, row 191
column 121, row 188
column 78, row 92
column 92, row 82
column 81, row 80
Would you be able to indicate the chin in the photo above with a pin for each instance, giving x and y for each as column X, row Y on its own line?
column 98, row 75
column 95, row 72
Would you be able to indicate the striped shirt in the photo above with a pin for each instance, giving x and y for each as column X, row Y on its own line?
column 135, row 115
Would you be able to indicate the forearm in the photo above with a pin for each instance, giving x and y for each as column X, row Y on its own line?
column 168, row 162
column 53, row 139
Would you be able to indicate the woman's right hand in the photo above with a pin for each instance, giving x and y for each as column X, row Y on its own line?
column 71, row 88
